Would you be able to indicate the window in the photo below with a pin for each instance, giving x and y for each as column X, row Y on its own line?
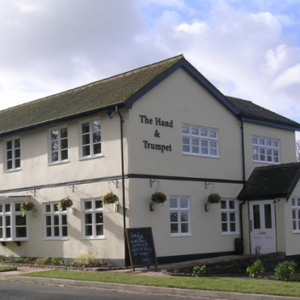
column 13, row 227
column 296, row 214
column 90, row 139
column 58, row 145
column 229, row 216
column 92, row 219
column 56, row 225
column 200, row 141
column 13, row 155
column 180, row 216
column 265, row 150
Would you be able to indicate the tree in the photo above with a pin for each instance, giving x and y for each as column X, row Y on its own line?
column 298, row 150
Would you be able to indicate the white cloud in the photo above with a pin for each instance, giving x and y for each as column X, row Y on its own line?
column 244, row 49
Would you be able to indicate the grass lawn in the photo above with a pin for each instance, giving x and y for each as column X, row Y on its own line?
column 265, row 287
column 6, row 268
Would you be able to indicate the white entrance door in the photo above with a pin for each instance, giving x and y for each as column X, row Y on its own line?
column 262, row 226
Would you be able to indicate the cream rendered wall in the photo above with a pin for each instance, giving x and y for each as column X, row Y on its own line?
column 181, row 98
column 206, row 234
column 34, row 156
column 111, row 247
column 287, row 144
column 292, row 239
column 36, row 171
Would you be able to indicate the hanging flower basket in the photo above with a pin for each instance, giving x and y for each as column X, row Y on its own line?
column 64, row 203
column 110, row 198
column 214, row 198
column 158, row 197
column 26, row 206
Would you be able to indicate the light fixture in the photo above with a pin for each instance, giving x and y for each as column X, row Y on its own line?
column 206, row 206
column 152, row 206
column 110, row 113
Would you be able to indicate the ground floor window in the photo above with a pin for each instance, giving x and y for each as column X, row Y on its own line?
column 13, row 226
column 92, row 218
column 296, row 214
column 180, row 219
column 229, row 216
column 56, row 225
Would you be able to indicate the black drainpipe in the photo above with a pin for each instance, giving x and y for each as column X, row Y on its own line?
column 244, row 181
column 123, row 187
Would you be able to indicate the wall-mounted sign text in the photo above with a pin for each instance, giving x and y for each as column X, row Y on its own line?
column 157, row 122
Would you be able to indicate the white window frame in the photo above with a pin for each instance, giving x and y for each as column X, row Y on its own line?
column 61, row 149
column 95, row 208
column 264, row 150
column 14, row 156
column 180, row 209
column 13, row 212
column 227, row 211
column 91, row 144
column 200, row 141
column 296, row 214
column 55, row 214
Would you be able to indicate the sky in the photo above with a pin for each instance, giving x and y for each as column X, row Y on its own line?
column 248, row 49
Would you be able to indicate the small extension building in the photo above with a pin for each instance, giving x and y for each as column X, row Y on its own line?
column 159, row 128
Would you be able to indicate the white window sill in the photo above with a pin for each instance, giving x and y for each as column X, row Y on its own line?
column 56, row 239
column 13, row 170
column 230, row 233
column 94, row 238
column 58, row 163
column 180, row 235
column 200, row 155
column 82, row 158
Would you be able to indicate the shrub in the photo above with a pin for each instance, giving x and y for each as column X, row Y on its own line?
column 199, row 271
column 42, row 261
column 285, row 270
column 85, row 258
column 256, row 270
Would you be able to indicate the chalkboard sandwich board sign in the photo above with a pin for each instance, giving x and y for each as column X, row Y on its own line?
column 141, row 247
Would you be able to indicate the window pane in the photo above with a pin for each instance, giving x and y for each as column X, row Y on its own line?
column 88, row 205
column 48, row 232
column 89, row 230
column 184, row 217
column 184, row 228
column 268, row 216
column 173, row 203
column 56, row 231
column 224, row 227
column 20, row 221
column 174, row 228
column 99, row 218
column 64, row 133
column 173, row 217
column 86, row 151
column 65, row 231
column 256, row 216
column 88, row 219
column 185, row 129
column 224, row 217
column 85, row 128
column 183, row 203
column 99, row 230
column 97, row 148
column 21, row 232
column 223, row 204
column 98, row 204
column 64, row 219
column 232, row 217
column 8, row 233
column 231, row 204
column 48, row 220
column 232, row 227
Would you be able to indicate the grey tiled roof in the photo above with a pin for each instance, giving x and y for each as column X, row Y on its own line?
column 269, row 182
column 252, row 111
column 88, row 98
column 120, row 90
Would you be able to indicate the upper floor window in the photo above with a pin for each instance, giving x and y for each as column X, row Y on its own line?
column 92, row 219
column 58, row 145
column 12, row 154
column 90, row 138
column 265, row 150
column 200, row 141
column 56, row 225
column 296, row 214
column 180, row 218
column 229, row 216
column 13, row 226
